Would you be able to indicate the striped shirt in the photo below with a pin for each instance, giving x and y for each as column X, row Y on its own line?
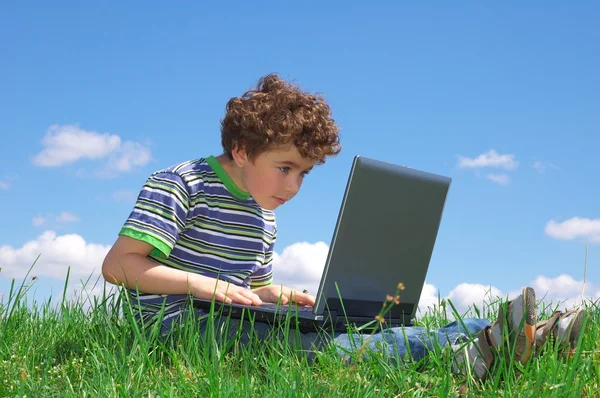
column 199, row 221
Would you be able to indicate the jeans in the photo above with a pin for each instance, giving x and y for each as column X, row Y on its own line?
column 396, row 343
column 413, row 341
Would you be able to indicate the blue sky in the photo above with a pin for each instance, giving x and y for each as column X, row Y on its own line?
column 503, row 98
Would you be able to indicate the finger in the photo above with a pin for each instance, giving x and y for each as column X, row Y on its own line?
column 238, row 298
column 285, row 298
column 279, row 297
column 253, row 297
column 302, row 298
column 232, row 294
column 245, row 296
column 222, row 297
column 280, row 293
column 235, row 293
column 241, row 297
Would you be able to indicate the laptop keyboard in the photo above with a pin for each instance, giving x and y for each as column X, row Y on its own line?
column 285, row 307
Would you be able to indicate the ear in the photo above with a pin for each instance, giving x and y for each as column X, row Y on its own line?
column 240, row 157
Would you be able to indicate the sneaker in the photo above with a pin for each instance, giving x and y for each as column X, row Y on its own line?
column 519, row 322
column 472, row 356
column 564, row 328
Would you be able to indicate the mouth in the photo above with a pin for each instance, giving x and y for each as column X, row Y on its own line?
column 279, row 200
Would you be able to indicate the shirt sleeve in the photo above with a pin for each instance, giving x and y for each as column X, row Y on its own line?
column 160, row 212
column 264, row 275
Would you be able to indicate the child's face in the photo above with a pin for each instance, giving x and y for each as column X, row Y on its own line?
column 275, row 176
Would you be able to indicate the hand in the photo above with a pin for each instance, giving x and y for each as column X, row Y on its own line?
column 272, row 293
column 204, row 287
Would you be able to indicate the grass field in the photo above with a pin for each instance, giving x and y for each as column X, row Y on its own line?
column 88, row 348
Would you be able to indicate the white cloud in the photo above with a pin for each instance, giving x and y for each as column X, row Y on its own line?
column 300, row 265
column 6, row 181
column 489, row 159
column 542, row 167
column 429, row 298
column 124, row 196
column 38, row 221
column 130, row 155
column 502, row 179
column 69, row 143
column 84, row 291
column 539, row 166
column 468, row 294
column 563, row 291
column 57, row 253
column 575, row 228
column 66, row 217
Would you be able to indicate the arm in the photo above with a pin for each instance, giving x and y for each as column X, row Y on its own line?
column 127, row 263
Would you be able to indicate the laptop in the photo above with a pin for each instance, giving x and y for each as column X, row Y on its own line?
column 385, row 235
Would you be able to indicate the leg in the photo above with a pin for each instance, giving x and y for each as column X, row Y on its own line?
column 230, row 332
column 397, row 343
column 413, row 342
column 246, row 331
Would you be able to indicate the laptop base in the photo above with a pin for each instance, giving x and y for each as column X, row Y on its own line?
column 303, row 319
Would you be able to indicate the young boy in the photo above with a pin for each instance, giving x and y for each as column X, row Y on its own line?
column 206, row 228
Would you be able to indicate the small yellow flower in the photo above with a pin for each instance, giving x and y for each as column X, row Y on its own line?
column 400, row 286
column 380, row 318
column 389, row 297
column 397, row 300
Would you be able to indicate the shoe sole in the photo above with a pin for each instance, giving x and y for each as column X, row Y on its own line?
column 528, row 332
column 574, row 333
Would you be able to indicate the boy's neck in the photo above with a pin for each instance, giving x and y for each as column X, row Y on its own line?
column 232, row 170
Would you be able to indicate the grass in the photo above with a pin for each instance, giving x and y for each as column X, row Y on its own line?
column 88, row 347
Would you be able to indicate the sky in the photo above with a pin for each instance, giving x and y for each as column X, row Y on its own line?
column 504, row 98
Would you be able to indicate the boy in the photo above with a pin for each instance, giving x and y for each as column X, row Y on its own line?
column 208, row 225
column 206, row 228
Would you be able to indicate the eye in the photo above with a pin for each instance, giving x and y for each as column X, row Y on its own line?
column 284, row 169
column 304, row 173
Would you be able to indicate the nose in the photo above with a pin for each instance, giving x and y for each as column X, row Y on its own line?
column 293, row 185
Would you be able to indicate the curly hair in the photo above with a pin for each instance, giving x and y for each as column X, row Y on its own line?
column 277, row 114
